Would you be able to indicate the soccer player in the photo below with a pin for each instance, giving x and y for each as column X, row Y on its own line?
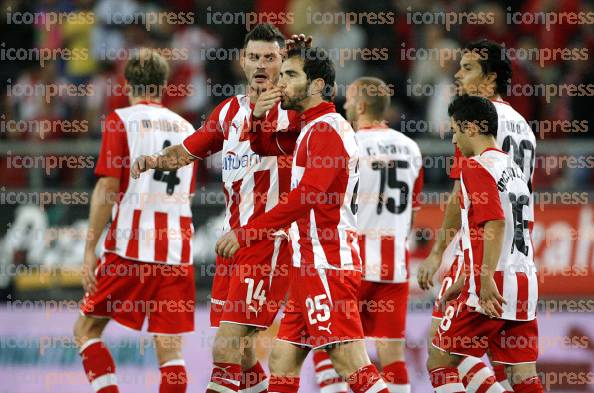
column 485, row 70
column 495, row 306
column 391, row 171
column 322, row 306
column 146, row 269
column 248, row 288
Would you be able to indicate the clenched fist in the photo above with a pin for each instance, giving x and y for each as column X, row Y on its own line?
column 142, row 164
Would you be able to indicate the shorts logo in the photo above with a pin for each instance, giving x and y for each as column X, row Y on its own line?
column 326, row 328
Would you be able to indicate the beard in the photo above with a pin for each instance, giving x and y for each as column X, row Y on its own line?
column 294, row 103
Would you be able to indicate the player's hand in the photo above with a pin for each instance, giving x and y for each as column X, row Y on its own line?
column 266, row 101
column 490, row 299
column 427, row 270
column 452, row 292
column 89, row 280
column 298, row 41
column 142, row 164
column 227, row 245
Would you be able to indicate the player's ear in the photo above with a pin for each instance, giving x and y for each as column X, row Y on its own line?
column 491, row 83
column 361, row 107
column 317, row 86
column 472, row 128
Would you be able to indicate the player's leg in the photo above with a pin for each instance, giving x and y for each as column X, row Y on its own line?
column 255, row 290
column 524, row 378
column 501, row 376
column 462, row 332
column 96, row 358
column 170, row 306
column 330, row 301
column 386, row 323
column 174, row 378
column 285, row 364
column 392, row 360
column 443, row 371
column 114, row 280
column 351, row 361
column 478, row 377
column 253, row 375
column 230, row 342
column 326, row 376
column 516, row 347
column 474, row 373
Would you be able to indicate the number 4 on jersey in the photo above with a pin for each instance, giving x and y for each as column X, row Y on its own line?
column 169, row 177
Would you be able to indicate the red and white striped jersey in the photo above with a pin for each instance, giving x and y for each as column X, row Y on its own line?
column 515, row 137
column 493, row 187
column 252, row 183
column 322, row 204
column 327, row 235
column 391, row 171
column 152, row 220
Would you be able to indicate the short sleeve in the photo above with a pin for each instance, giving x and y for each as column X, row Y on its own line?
column 482, row 192
column 209, row 138
column 114, row 148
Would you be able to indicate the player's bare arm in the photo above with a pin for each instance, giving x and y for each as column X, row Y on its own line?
column 490, row 299
column 449, row 227
column 169, row 159
column 102, row 200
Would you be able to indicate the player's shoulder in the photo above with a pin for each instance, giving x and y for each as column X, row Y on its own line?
column 228, row 103
column 507, row 113
column 389, row 135
column 407, row 141
column 490, row 161
column 114, row 123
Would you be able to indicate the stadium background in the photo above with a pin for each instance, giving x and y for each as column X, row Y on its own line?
column 52, row 111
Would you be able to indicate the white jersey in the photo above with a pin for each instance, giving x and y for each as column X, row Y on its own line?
column 152, row 222
column 493, row 187
column 391, row 174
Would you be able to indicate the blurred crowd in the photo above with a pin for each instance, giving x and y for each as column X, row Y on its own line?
column 94, row 82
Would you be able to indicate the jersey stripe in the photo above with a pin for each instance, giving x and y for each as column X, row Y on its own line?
column 132, row 249
column 185, row 223
column 234, row 204
column 260, row 194
column 521, row 301
column 161, row 238
column 388, row 253
column 110, row 239
column 362, row 249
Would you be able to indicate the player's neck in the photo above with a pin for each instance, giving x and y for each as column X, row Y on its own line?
column 135, row 100
column 482, row 144
column 494, row 97
column 366, row 122
column 310, row 102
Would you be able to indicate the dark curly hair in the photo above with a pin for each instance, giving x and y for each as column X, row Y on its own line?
column 475, row 109
column 493, row 58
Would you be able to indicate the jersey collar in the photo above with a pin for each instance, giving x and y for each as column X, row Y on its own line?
column 148, row 102
column 317, row 111
column 492, row 148
column 376, row 127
